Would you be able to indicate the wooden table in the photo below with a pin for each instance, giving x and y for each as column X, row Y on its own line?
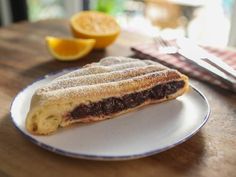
column 24, row 58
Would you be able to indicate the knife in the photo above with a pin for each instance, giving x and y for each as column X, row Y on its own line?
column 192, row 55
column 204, row 55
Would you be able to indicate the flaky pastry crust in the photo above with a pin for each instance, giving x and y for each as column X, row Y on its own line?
column 111, row 77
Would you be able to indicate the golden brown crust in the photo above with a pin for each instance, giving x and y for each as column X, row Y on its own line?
column 111, row 77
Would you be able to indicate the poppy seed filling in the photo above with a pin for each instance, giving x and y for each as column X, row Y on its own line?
column 117, row 104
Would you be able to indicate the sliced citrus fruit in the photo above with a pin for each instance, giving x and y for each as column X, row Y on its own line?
column 67, row 49
column 95, row 25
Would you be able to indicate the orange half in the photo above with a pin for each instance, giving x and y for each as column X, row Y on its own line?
column 67, row 49
column 95, row 25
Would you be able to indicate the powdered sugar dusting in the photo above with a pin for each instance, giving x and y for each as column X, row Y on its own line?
column 112, row 76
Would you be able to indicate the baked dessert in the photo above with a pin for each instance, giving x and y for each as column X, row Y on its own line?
column 102, row 90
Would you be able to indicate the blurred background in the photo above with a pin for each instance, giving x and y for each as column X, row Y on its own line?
column 210, row 22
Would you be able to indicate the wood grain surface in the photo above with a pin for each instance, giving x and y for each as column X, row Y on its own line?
column 24, row 58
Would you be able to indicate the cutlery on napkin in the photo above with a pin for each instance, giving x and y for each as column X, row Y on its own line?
column 198, row 67
column 201, row 54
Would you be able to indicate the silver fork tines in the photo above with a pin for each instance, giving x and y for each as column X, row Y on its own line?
column 165, row 47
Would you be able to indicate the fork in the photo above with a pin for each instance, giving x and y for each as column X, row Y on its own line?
column 165, row 47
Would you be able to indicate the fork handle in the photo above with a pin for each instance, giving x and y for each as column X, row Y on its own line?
column 231, row 82
column 221, row 65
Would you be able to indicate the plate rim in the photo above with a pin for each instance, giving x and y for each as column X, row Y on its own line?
column 104, row 157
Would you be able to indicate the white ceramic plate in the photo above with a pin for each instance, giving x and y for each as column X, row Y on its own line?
column 148, row 131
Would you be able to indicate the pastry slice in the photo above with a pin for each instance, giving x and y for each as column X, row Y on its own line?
column 102, row 90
